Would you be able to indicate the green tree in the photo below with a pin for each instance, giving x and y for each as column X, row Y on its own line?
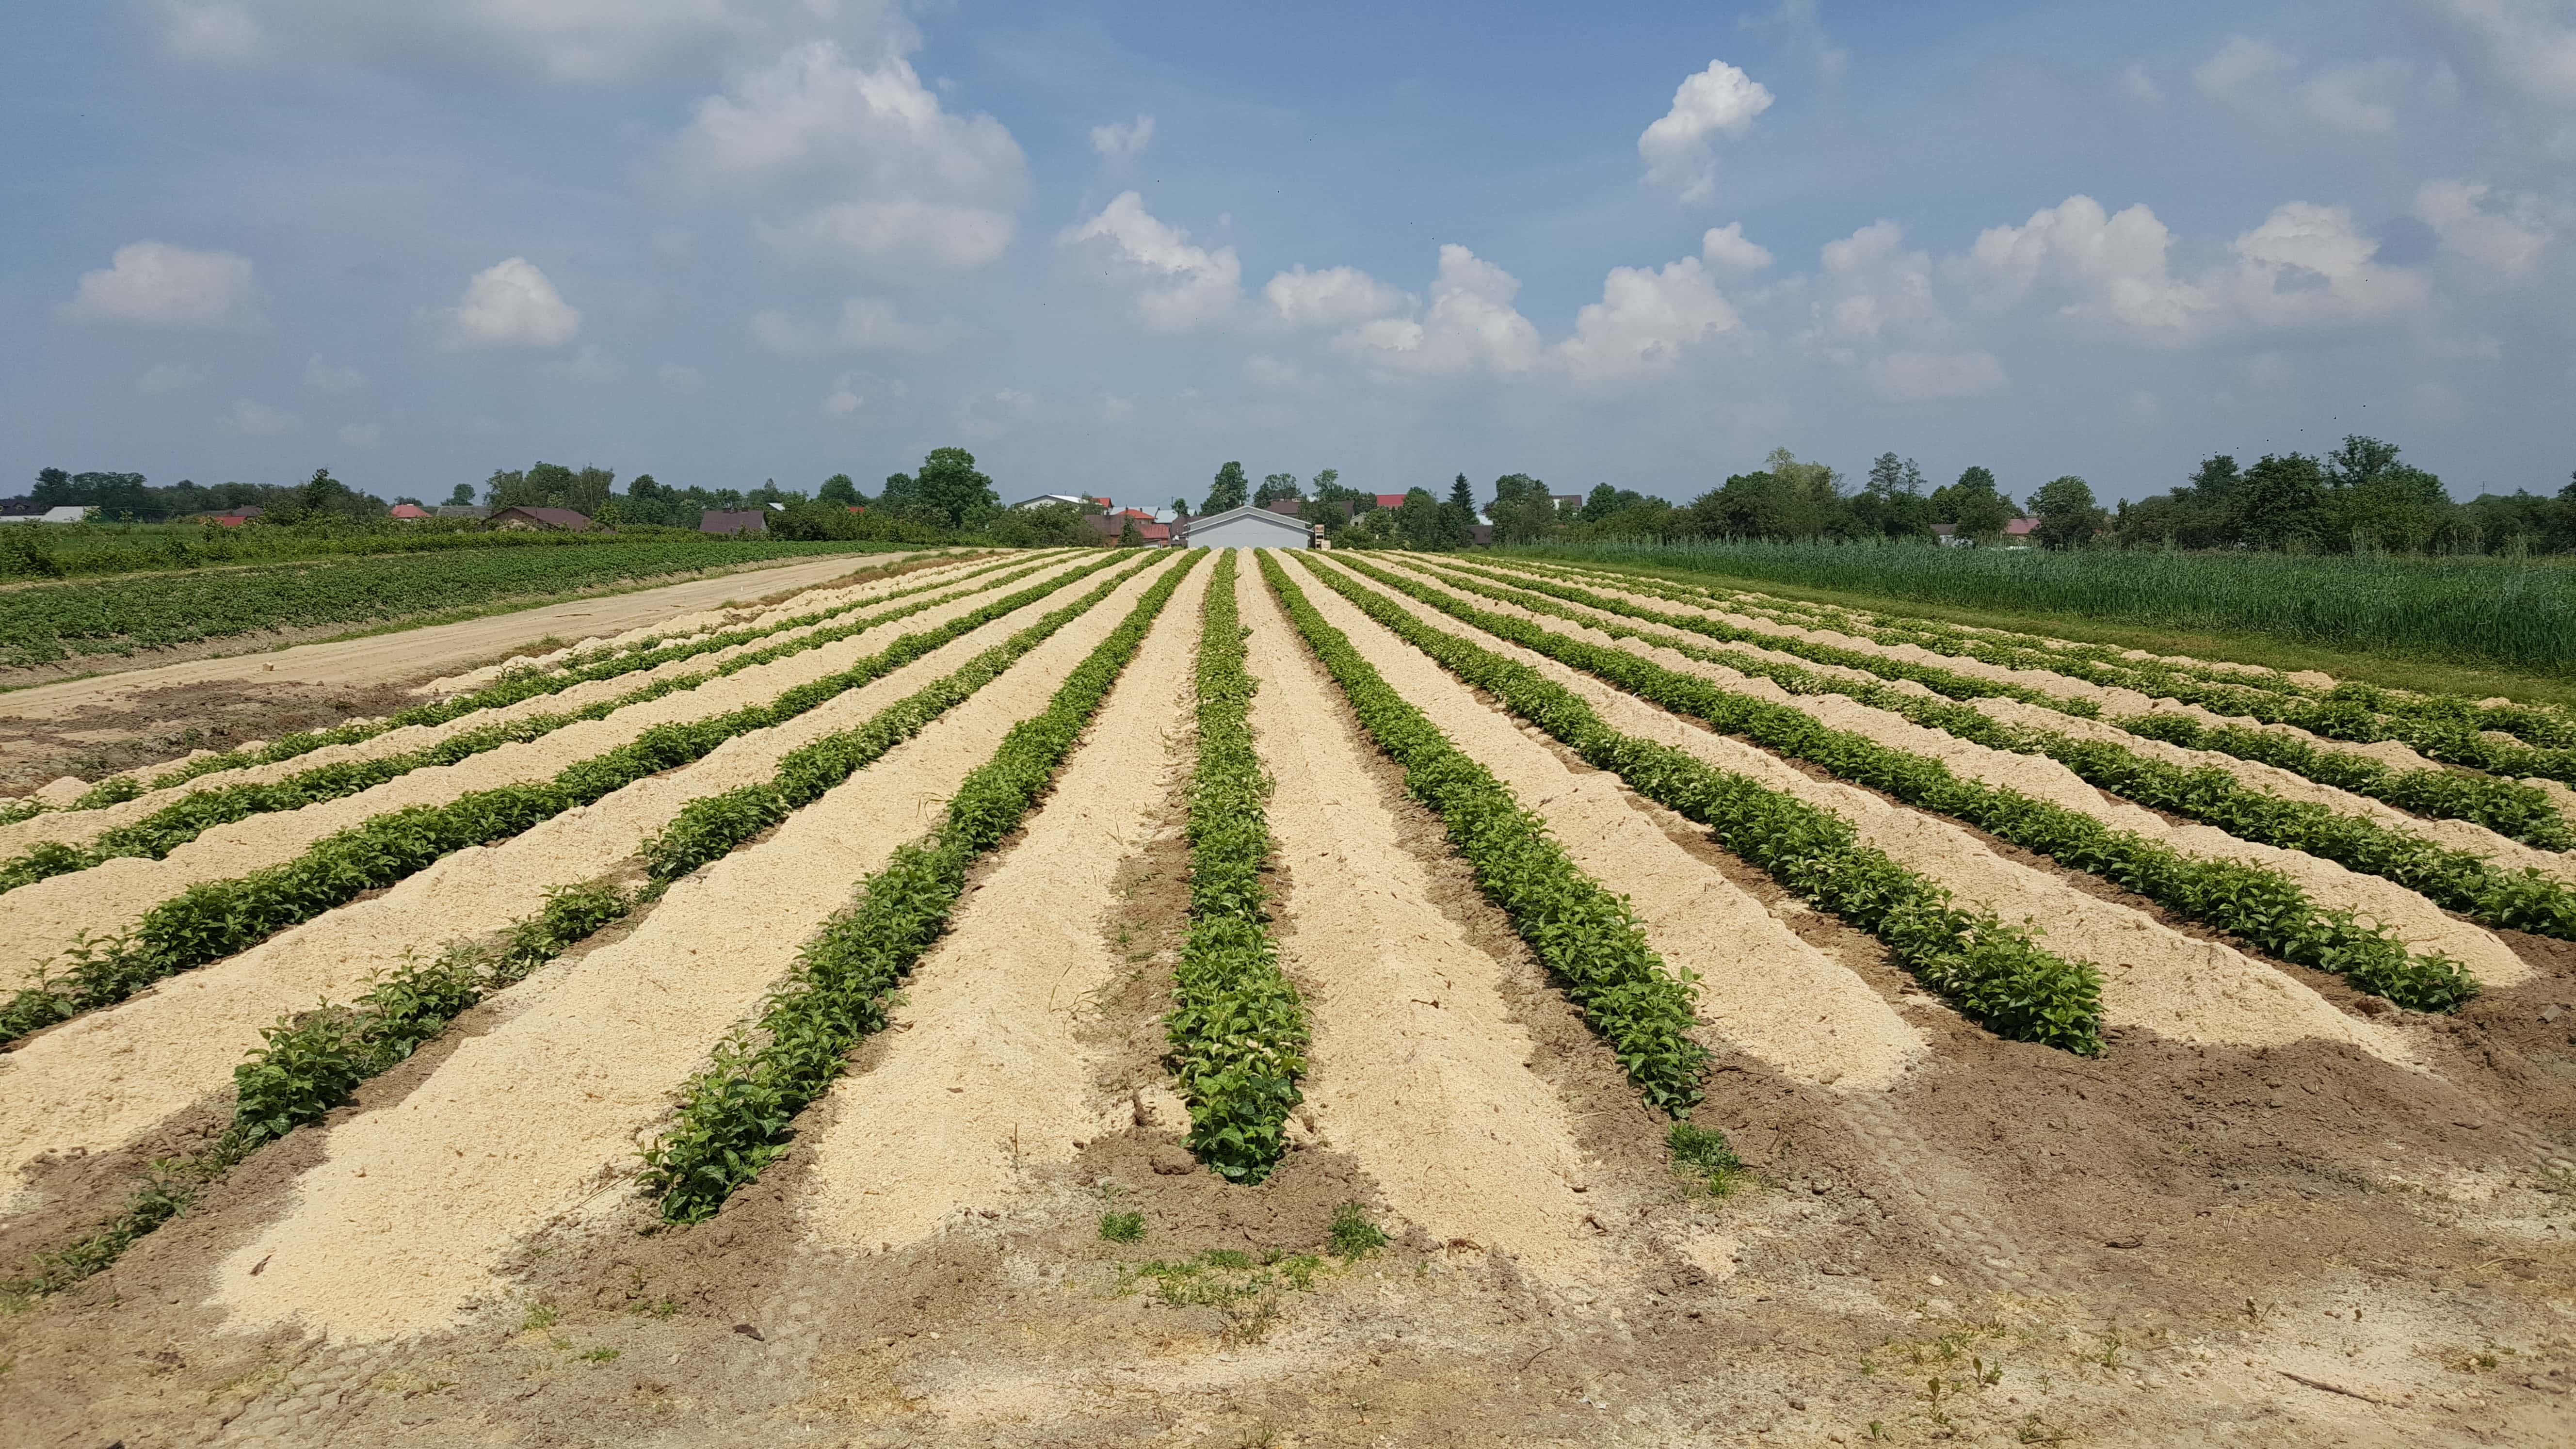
column 1974, row 504
column 2066, row 512
column 838, row 489
column 1276, row 488
column 1229, row 491
column 1523, row 511
column 1129, row 536
column 2281, row 502
column 1419, row 519
column 462, row 497
column 2376, row 501
column 949, row 493
column 1463, row 496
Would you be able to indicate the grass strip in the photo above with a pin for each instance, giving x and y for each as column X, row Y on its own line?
column 309, row 1064
column 2445, row 731
column 735, row 1116
column 1588, row 939
column 2260, row 906
column 523, row 684
column 1237, row 1028
column 214, row 919
column 2522, row 900
column 1993, row 972
column 2514, row 810
column 164, row 830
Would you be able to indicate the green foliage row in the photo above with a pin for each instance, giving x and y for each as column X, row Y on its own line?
column 2522, row 900
column 712, row 826
column 517, row 685
column 2514, row 810
column 1993, row 972
column 1237, row 1028
column 214, row 919
column 1588, row 939
column 49, row 622
column 307, row 1066
column 735, row 1116
column 2257, row 905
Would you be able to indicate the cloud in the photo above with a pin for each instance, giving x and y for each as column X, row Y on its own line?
column 1678, row 148
column 1875, row 292
column 867, row 324
column 679, row 377
column 910, row 185
column 2258, row 77
column 843, row 399
column 168, row 379
column 1117, row 412
column 1179, row 286
column 1910, row 376
column 986, row 416
column 2500, row 236
column 1123, row 140
column 2114, row 264
column 2239, row 64
column 153, row 284
column 565, row 40
column 507, row 304
column 365, row 437
column 590, row 365
column 1272, row 374
column 1334, row 297
column 2523, row 51
column 330, row 381
column 248, row 419
column 1644, row 323
column 1725, row 248
column 2436, row 402
column 2308, row 267
column 2139, row 86
column 1803, row 31
column 1469, row 329
column 2355, row 97
column 2142, row 409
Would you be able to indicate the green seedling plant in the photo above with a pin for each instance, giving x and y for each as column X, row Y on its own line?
column 1122, row 1227
column 1352, row 1236
column 1705, row 1154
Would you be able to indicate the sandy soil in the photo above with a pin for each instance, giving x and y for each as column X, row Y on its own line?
column 40, row 921
column 100, row 1080
column 539, row 1118
column 2423, row 925
column 989, row 1074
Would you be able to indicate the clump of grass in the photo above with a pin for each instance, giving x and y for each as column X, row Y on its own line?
column 1705, row 1153
column 1122, row 1227
column 1352, row 1236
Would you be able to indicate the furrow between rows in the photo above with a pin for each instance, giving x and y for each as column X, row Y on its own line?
column 405, row 1224
column 99, row 1081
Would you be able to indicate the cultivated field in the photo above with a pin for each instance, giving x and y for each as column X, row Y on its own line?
column 1107, row 997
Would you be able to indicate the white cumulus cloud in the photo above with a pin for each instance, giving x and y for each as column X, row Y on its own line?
column 1469, row 329
column 168, row 379
column 844, row 398
column 1179, row 286
column 330, row 381
column 507, row 304
column 2358, row 98
column 588, row 365
column 365, row 437
column 1123, row 140
column 1875, row 292
column 680, row 377
column 154, row 284
column 1333, row 297
column 889, row 177
column 866, row 324
column 2238, row 65
column 1679, row 148
column 1907, row 375
column 565, row 40
column 248, row 419
column 985, row 416
column 1644, row 323
column 2501, row 236
column 1274, row 374
column 1725, row 248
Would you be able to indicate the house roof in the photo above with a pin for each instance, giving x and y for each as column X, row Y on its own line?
column 2020, row 526
column 463, row 510
column 1287, row 506
column 1390, row 500
column 563, row 518
column 410, row 510
column 1073, row 498
column 1247, row 512
column 743, row 520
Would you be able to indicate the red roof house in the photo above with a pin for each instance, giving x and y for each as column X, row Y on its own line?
column 409, row 511
column 1390, row 500
column 550, row 520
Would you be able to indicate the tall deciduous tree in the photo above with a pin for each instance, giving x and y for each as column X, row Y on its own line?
column 950, row 493
column 1276, row 488
column 1974, row 504
column 2066, row 512
column 1230, row 490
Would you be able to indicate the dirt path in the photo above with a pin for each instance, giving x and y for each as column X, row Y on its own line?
column 2155, row 977
column 40, row 921
column 990, row 1077
column 402, row 1227
column 99, row 1081
column 1765, row 991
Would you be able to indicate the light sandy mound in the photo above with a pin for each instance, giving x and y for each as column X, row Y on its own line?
column 38, row 922
column 98, row 1082
column 2115, row 701
column 403, row 1225
column 1434, row 1102
column 2423, row 925
column 2273, row 780
column 81, row 826
column 1767, row 992
column 2154, row 976
column 990, row 1076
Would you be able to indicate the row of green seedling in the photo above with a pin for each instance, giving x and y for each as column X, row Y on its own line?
column 509, row 689
column 736, row 1116
column 308, row 1064
column 2438, row 727
column 1237, row 1029
column 1993, row 972
column 215, row 919
column 2516, row 811
column 2522, row 900
column 2260, row 906
column 1589, row 940
column 164, row 830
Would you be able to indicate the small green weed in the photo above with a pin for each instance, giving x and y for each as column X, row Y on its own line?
column 1352, row 1236
column 1707, row 1155
column 1122, row 1227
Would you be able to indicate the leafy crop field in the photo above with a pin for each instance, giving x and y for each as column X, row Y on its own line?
column 43, row 623
column 1082, row 996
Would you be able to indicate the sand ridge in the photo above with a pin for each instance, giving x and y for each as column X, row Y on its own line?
column 992, row 1008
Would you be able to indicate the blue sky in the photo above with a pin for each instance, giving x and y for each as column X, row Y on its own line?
column 728, row 240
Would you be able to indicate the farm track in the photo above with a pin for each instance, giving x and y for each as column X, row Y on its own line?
column 190, row 1030
column 528, row 1123
column 2264, row 1172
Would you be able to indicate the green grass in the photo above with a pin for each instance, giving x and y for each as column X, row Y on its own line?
column 1705, row 1154
column 2469, row 626
column 1352, row 1236
column 1122, row 1227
